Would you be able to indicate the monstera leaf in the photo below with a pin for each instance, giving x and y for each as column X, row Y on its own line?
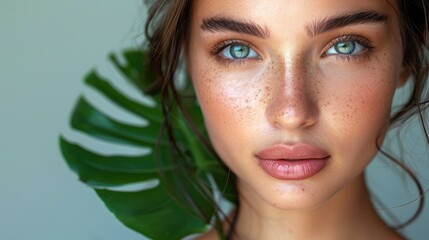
column 182, row 186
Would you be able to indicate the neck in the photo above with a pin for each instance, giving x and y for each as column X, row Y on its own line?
column 348, row 213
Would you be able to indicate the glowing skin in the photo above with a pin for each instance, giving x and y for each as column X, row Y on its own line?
column 331, row 90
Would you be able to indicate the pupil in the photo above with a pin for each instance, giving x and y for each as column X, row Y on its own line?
column 345, row 47
column 239, row 51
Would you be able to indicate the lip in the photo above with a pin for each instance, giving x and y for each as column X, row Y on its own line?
column 292, row 162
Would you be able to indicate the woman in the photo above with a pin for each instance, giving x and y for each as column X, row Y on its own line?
column 296, row 98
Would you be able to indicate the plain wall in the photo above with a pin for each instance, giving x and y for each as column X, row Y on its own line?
column 46, row 47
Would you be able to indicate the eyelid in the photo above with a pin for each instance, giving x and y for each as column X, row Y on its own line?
column 218, row 48
column 364, row 42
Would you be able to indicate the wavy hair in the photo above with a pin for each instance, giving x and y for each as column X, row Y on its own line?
column 167, row 29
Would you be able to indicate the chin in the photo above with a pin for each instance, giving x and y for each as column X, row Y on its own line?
column 298, row 202
column 288, row 196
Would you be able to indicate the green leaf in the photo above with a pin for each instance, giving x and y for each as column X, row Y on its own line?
column 98, row 170
column 225, row 182
column 88, row 119
column 104, row 87
column 136, row 69
column 182, row 202
column 138, row 210
column 152, row 212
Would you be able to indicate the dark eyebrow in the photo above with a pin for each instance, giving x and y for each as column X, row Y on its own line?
column 327, row 24
column 228, row 24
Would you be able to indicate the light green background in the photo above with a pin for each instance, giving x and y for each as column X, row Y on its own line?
column 46, row 46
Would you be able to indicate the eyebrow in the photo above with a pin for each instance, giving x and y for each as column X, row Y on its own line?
column 215, row 24
column 361, row 17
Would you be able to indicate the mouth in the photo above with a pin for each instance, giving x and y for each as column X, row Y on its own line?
column 292, row 162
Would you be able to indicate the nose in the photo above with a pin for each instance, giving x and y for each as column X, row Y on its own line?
column 293, row 104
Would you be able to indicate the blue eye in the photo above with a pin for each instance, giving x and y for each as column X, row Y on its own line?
column 238, row 51
column 349, row 47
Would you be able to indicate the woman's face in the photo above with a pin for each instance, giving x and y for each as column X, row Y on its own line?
column 295, row 93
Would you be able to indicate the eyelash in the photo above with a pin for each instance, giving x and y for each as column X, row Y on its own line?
column 218, row 48
column 365, row 43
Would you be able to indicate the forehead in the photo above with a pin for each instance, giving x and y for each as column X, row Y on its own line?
column 286, row 14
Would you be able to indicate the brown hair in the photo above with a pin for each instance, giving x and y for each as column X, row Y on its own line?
column 167, row 28
column 414, row 22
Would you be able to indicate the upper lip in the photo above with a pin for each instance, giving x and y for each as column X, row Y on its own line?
column 299, row 151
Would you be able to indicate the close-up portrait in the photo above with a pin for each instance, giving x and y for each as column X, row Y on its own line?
column 229, row 120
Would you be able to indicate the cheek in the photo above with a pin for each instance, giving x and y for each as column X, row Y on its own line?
column 222, row 113
column 218, row 101
column 230, row 106
column 356, row 107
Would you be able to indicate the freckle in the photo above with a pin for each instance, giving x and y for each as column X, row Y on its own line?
column 302, row 190
column 327, row 104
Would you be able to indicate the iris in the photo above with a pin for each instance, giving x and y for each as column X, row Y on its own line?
column 347, row 47
column 239, row 51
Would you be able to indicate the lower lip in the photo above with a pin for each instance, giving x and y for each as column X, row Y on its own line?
column 296, row 169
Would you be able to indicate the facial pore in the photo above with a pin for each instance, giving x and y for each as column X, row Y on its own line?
column 268, row 73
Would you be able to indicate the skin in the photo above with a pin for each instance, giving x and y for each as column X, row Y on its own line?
column 293, row 92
